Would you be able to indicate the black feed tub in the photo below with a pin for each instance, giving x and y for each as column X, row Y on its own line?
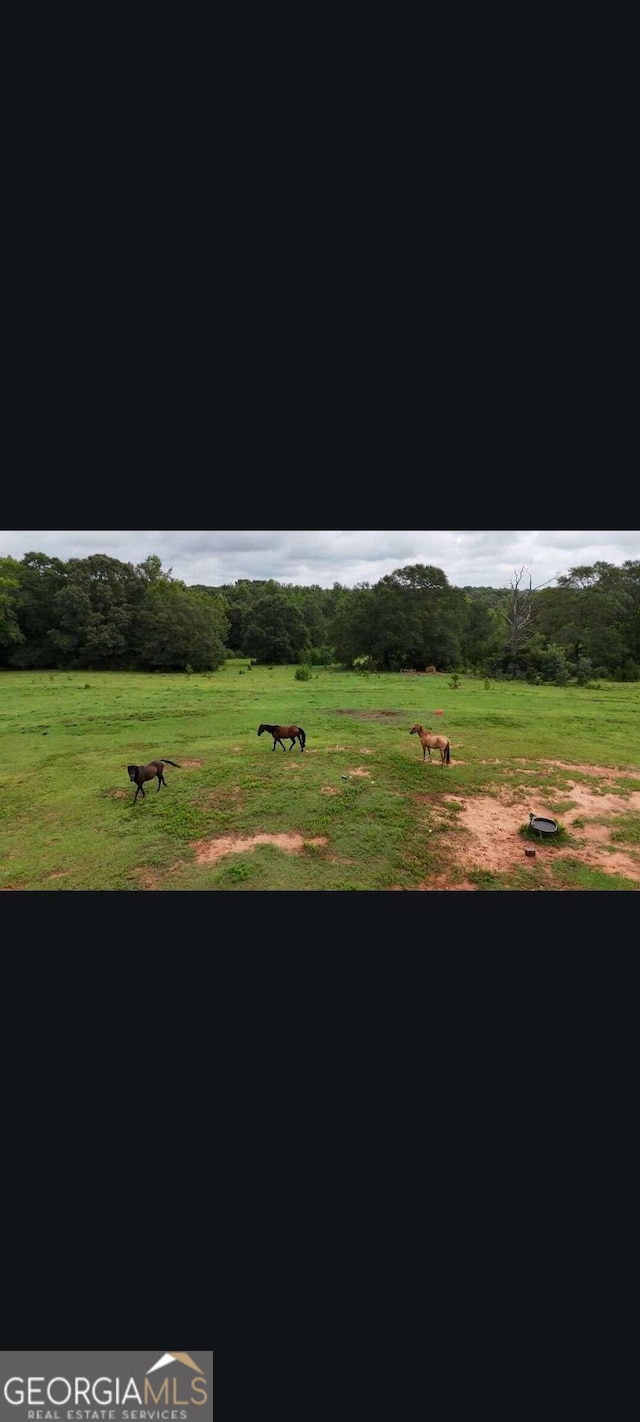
column 542, row 826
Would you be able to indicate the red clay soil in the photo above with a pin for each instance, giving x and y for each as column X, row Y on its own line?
column 489, row 837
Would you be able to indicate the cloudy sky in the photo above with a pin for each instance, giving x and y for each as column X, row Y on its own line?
column 469, row 558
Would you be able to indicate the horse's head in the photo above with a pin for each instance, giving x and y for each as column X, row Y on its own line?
column 261, row 729
column 415, row 730
column 132, row 771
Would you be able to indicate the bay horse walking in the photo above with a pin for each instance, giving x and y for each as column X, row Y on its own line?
column 289, row 733
column 431, row 742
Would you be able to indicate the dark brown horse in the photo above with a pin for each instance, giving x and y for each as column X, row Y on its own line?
column 431, row 742
column 285, row 733
column 141, row 773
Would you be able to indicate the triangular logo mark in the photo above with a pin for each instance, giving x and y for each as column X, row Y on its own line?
column 173, row 1358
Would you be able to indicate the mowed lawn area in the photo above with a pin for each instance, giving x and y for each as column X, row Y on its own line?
column 357, row 810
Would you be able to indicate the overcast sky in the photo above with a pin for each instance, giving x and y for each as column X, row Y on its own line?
column 323, row 557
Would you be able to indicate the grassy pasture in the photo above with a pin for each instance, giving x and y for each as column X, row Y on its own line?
column 67, row 819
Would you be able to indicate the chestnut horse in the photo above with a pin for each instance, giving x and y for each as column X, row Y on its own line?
column 431, row 742
column 290, row 733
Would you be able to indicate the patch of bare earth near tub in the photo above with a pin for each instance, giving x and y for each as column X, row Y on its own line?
column 207, row 851
column 487, row 833
column 360, row 770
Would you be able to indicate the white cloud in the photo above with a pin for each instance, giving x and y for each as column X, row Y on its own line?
column 468, row 556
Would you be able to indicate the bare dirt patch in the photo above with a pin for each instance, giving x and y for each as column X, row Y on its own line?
column 604, row 772
column 599, row 804
column 487, row 833
column 116, row 794
column 190, row 764
column 208, row 851
column 364, row 750
column 59, row 874
column 148, row 878
column 328, row 790
column 360, row 770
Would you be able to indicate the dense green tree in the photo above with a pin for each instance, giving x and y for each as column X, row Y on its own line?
column 591, row 614
column 482, row 632
column 39, row 579
column 9, row 584
column 276, row 631
column 151, row 570
column 175, row 627
column 349, row 623
column 94, row 611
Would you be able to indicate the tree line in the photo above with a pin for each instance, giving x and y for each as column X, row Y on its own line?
column 100, row 613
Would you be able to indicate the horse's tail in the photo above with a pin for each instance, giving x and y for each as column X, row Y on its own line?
column 447, row 752
column 170, row 762
column 303, row 738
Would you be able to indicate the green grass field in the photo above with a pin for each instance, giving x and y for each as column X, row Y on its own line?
column 67, row 818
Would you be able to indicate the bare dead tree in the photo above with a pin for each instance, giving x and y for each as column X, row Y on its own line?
column 519, row 612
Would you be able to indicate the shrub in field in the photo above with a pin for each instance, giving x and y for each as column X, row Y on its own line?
column 303, row 673
column 584, row 669
column 629, row 672
column 319, row 656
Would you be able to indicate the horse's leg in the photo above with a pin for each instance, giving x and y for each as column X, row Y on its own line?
column 293, row 741
column 283, row 745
